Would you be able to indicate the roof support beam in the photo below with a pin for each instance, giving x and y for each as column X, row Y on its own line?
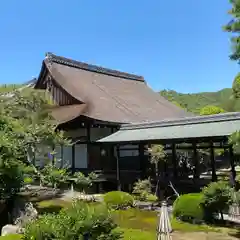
column 195, row 160
column 232, row 162
column 174, row 161
column 118, row 169
column 213, row 166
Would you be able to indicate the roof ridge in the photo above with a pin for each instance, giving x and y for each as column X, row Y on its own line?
column 183, row 121
column 93, row 68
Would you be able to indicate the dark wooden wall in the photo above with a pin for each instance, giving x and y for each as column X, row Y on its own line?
column 58, row 94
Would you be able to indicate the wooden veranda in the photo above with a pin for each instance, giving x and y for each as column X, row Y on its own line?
column 195, row 134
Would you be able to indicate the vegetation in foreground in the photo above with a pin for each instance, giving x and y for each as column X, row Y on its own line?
column 138, row 224
column 189, row 213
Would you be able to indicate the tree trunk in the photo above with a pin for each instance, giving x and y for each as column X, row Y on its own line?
column 221, row 213
column 157, row 190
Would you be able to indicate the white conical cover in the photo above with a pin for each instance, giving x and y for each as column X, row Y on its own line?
column 164, row 224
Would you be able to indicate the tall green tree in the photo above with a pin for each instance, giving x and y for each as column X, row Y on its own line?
column 25, row 122
column 157, row 155
column 234, row 27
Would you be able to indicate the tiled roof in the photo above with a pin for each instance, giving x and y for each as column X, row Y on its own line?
column 220, row 125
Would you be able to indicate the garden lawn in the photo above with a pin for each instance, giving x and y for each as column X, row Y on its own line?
column 141, row 225
column 11, row 237
column 137, row 234
column 148, row 220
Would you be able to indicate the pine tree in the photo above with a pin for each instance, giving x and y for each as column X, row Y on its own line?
column 234, row 27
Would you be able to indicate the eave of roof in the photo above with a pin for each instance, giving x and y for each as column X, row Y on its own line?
column 63, row 114
column 186, row 128
column 184, row 121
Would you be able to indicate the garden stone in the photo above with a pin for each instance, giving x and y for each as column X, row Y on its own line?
column 39, row 193
column 143, row 205
column 11, row 229
column 23, row 212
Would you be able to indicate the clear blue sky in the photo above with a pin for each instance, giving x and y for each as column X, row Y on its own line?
column 174, row 44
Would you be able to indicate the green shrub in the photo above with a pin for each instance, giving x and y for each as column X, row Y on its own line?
column 53, row 176
column 74, row 222
column 142, row 191
column 216, row 197
column 85, row 182
column 28, row 180
column 118, row 200
column 188, row 207
column 146, row 197
column 151, row 198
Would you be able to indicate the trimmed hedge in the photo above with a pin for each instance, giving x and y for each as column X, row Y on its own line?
column 118, row 200
column 189, row 208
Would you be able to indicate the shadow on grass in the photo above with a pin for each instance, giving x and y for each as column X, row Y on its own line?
column 49, row 209
column 236, row 234
column 51, row 206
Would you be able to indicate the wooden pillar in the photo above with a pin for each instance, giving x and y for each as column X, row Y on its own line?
column 110, row 162
column 232, row 163
column 112, row 130
column 142, row 160
column 174, row 161
column 195, row 159
column 73, row 158
column 213, row 164
column 118, row 169
column 88, row 143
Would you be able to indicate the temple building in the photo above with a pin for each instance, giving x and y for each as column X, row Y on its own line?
column 112, row 117
column 92, row 103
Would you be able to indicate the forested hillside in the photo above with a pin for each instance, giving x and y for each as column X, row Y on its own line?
column 195, row 101
column 4, row 88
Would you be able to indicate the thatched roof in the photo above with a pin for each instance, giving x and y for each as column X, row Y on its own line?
column 109, row 95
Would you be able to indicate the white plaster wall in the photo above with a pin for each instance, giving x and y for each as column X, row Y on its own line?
column 81, row 156
column 58, row 156
column 41, row 155
column 67, row 156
